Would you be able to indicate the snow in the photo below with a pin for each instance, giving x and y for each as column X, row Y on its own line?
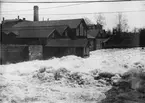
column 18, row 84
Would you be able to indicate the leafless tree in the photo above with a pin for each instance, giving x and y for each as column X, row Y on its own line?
column 135, row 30
column 100, row 19
column 87, row 20
column 122, row 25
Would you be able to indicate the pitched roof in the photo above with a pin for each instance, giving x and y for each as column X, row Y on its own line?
column 35, row 33
column 106, row 40
column 72, row 23
column 90, row 37
column 60, row 29
column 8, row 23
column 93, row 33
column 67, row 43
column 10, row 30
column 15, row 30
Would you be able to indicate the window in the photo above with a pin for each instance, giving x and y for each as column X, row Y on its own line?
column 85, row 32
column 65, row 34
column 81, row 30
column 77, row 32
column 53, row 36
column 86, row 50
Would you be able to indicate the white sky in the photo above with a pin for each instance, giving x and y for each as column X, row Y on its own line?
column 135, row 19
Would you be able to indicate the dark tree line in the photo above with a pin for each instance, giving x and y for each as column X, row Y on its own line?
column 142, row 37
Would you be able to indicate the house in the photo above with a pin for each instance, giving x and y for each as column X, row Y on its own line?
column 56, row 40
column 96, row 36
column 41, row 33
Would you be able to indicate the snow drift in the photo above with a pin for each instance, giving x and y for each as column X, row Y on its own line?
column 69, row 79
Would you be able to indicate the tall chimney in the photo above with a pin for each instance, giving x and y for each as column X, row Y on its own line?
column 36, row 15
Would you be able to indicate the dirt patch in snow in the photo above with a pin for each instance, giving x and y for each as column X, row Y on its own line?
column 130, row 88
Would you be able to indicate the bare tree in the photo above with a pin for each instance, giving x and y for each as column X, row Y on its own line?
column 87, row 20
column 100, row 19
column 135, row 30
column 122, row 25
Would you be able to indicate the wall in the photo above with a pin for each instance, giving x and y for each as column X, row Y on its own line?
column 81, row 30
column 13, row 53
column 86, row 51
column 35, row 52
column 49, row 52
column 80, row 51
column 77, row 32
column 18, row 53
column 99, row 43
column 92, row 44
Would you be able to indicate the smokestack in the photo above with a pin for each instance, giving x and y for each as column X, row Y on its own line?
column 36, row 15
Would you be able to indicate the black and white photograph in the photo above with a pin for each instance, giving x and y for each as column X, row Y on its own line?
column 72, row 51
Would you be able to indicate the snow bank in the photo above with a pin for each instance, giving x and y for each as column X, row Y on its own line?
column 18, row 82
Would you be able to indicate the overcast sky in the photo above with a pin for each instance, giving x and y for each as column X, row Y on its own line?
column 135, row 19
